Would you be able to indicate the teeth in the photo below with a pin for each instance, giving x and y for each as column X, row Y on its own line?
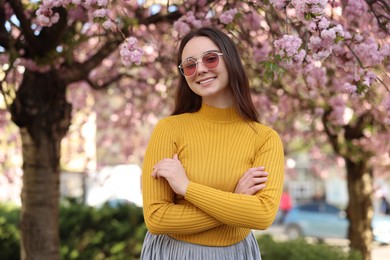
column 206, row 81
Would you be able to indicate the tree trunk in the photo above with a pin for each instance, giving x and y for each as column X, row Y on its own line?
column 360, row 208
column 43, row 115
column 40, row 195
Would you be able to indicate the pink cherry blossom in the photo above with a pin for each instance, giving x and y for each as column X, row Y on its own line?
column 386, row 104
column 279, row 4
column 369, row 52
column 288, row 45
column 181, row 27
column 102, row 3
column 323, row 23
column 261, row 53
column 228, row 16
column 191, row 19
column 110, row 25
column 338, row 108
column 349, row 88
column 130, row 53
column 102, row 12
column 309, row 7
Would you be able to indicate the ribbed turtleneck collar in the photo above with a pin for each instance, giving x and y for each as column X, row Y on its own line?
column 219, row 114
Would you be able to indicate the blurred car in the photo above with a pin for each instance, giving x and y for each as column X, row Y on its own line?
column 117, row 203
column 322, row 220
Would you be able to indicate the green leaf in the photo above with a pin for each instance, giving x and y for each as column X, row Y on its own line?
column 339, row 39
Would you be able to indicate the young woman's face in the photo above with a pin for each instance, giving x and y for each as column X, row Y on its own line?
column 209, row 80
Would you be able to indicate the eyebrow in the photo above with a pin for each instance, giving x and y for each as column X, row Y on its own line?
column 193, row 57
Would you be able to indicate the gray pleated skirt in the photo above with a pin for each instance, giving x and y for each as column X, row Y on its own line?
column 163, row 247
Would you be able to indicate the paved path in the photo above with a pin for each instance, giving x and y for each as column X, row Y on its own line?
column 379, row 252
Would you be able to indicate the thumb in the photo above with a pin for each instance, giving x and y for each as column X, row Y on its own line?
column 175, row 157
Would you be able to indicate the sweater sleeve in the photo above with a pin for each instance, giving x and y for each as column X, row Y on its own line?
column 256, row 211
column 161, row 214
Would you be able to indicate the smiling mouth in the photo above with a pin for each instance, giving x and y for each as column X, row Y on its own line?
column 206, row 80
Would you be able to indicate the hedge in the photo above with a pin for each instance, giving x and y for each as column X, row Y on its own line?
column 116, row 232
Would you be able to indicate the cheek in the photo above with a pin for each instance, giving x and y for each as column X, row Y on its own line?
column 191, row 84
column 190, row 81
column 193, row 89
column 222, row 70
column 224, row 75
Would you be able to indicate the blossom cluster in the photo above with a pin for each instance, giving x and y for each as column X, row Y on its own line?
column 183, row 25
column 324, row 38
column 386, row 105
column 289, row 49
column 228, row 16
column 315, row 76
column 288, row 46
column 369, row 52
column 130, row 53
column 307, row 9
column 45, row 14
column 304, row 9
column 355, row 10
column 47, row 17
column 337, row 116
column 280, row 4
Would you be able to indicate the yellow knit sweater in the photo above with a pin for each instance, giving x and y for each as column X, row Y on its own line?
column 216, row 147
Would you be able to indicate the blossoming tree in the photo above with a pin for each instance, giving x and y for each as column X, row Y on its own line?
column 312, row 63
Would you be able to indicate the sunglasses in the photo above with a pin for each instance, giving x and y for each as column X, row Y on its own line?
column 210, row 60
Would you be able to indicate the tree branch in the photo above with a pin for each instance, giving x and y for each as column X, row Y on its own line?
column 356, row 131
column 52, row 36
column 105, row 84
column 80, row 71
column 332, row 137
column 4, row 35
column 382, row 19
column 25, row 24
column 170, row 17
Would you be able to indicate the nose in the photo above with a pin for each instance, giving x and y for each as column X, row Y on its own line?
column 201, row 68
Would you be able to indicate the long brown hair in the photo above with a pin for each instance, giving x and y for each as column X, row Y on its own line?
column 187, row 101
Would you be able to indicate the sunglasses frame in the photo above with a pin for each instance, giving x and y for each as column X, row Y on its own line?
column 199, row 60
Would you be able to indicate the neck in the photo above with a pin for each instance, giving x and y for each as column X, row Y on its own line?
column 217, row 114
column 222, row 101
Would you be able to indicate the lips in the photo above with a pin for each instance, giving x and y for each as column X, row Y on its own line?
column 206, row 80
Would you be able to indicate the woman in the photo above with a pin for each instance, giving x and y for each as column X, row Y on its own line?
column 205, row 167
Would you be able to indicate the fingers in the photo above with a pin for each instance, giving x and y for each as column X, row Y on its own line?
column 252, row 181
column 255, row 175
column 259, row 180
column 258, row 172
column 159, row 171
column 256, row 188
column 163, row 167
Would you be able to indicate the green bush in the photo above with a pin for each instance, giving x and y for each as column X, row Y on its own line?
column 301, row 250
column 117, row 232
column 85, row 232
column 9, row 232
column 101, row 233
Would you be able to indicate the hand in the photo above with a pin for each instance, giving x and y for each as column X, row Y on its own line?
column 252, row 181
column 172, row 170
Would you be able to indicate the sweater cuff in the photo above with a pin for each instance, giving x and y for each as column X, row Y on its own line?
column 191, row 190
column 196, row 191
